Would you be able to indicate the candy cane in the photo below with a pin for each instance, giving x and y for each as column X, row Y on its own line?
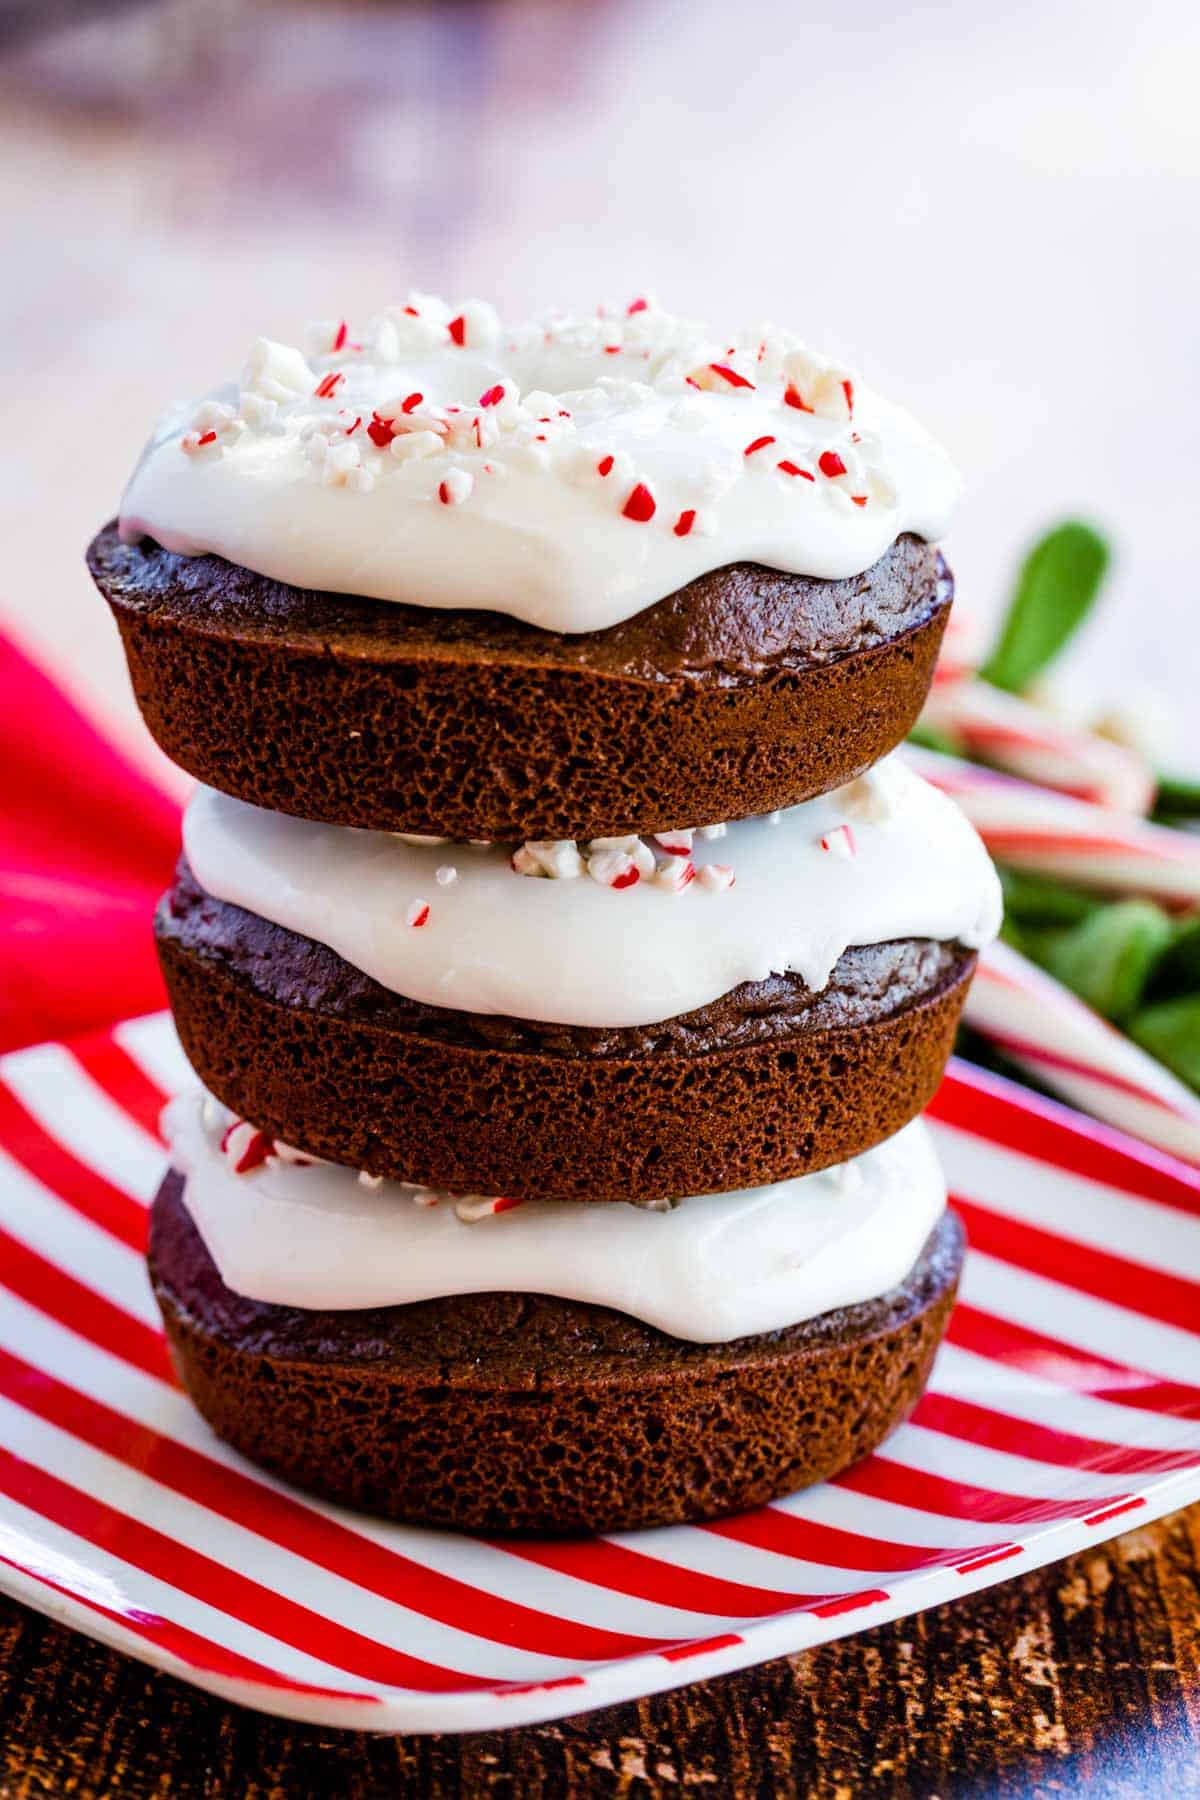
column 963, row 645
column 1032, row 828
column 1028, row 741
column 1045, row 1030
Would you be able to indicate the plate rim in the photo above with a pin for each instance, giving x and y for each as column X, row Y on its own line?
column 397, row 1711
column 379, row 1709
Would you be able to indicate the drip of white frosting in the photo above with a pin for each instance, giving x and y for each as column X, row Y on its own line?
column 569, row 473
column 716, row 1267
column 888, row 857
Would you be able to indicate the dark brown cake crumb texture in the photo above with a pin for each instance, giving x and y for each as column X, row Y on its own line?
column 768, row 1082
column 747, row 690
column 511, row 1412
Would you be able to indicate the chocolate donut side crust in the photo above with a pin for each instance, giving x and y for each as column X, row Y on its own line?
column 523, row 1413
column 768, row 1082
column 747, row 690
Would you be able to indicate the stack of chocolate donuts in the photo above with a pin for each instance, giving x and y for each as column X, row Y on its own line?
column 562, row 952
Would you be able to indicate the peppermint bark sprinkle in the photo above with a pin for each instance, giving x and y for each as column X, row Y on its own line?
column 245, row 1149
column 618, row 863
column 641, row 505
column 425, row 436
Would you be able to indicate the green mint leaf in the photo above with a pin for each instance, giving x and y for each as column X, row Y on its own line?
column 1013, row 933
column 1108, row 960
column 1057, row 585
column 1170, row 1031
column 1043, row 900
column 1178, row 970
column 928, row 737
column 1177, row 797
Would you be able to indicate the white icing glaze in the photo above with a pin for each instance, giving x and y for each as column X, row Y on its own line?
column 579, row 952
column 717, row 1267
column 491, row 492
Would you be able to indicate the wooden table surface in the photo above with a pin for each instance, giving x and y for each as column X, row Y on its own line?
column 1082, row 1678
column 932, row 190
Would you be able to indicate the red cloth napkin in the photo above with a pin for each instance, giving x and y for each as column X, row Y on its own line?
column 87, row 844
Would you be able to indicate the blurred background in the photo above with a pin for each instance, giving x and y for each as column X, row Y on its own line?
column 992, row 211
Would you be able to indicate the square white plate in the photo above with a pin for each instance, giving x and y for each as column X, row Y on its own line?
column 1064, row 1407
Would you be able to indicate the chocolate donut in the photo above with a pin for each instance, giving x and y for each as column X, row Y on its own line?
column 524, row 1413
column 747, row 690
column 769, row 1081
column 482, row 638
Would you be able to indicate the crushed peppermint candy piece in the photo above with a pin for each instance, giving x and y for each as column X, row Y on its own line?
column 417, row 914
column 214, row 426
column 831, row 464
column 556, row 858
column 641, row 505
column 839, row 841
column 711, row 832
column 412, row 446
column 245, row 1149
column 760, row 443
column 276, row 372
column 816, row 386
column 476, row 327
column 340, row 464
column 475, row 1208
column 214, row 415
column 614, row 869
column 532, row 456
column 674, row 876
column 425, row 1197
column 257, row 411
column 456, row 487
column 716, row 877
column 410, row 412
column 719, row 378
column 445, row 875
column 371, row 1182
column 880, row 488
column 288, row 1153
column 865, row 799
column 329, row 337
column 848, row 1176
column 675, row 843
column 685, row 521
column 631, row 846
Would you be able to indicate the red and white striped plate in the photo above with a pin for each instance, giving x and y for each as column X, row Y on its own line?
column 1064, row 1407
